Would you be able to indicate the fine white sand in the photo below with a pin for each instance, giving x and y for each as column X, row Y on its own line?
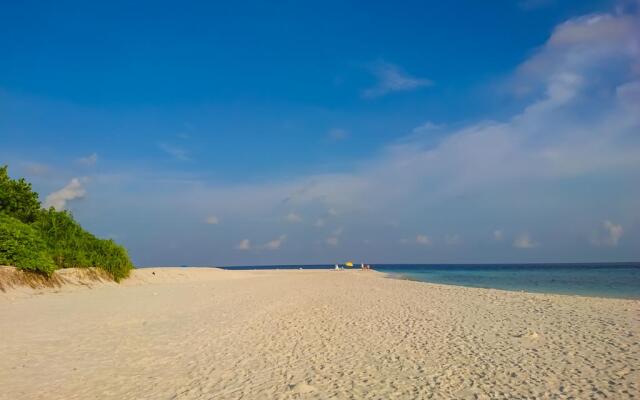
column 214, row 334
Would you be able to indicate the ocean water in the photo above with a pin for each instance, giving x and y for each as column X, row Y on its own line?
column 619, row 280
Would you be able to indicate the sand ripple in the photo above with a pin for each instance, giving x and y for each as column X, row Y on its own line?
column 313, row 334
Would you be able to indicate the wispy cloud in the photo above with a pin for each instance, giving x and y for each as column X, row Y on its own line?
column 609, row 235
column 58, row 199
column 88, row 161
column 244, row 245
column 332, row 241
column 293, row 217
column 174, row 151
column 275, row 244
column 524, row 241
column 392, row 78
column 212, row 220
column 578, row 123
column 427, row 127
column 423, row 240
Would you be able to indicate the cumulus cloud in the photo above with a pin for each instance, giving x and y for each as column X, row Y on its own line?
column 609, row 234
column 332, row 241
column 423, row 240
column 524, row 241
column 597, row 48
column 212, row 220
column 245, row 244
column 293, row 217
column 58, row 199
column 275, row 244
column 392, row 78
column 88, row 161
column 577, row 122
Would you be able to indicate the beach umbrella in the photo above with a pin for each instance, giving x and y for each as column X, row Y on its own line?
column 349, row 264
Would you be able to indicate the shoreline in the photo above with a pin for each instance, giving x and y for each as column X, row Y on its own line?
column 399, row 276
column 71, row 278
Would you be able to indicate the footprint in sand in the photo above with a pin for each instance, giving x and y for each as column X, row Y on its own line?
column 302, row 388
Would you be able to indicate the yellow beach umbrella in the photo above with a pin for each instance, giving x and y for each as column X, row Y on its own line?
column 349, row 264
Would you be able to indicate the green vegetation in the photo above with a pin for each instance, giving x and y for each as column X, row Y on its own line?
column 39, row 240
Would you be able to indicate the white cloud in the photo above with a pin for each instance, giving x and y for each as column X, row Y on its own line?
column 58, row 199
column 393, row 79
column 319, row 223
column 88, row 161
column 332, row 241
column 576, row 128
column 423, row 240
column 174, row 151
column 337, row 134
column 586, row 47
column 427, row 127
column 245, row 244
column 212, row 220
column 572, row 127
column 275, row 244
column 609, row 236
column 293, row 218
column 524, row 241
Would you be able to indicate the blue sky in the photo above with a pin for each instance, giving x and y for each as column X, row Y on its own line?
column 249, row 132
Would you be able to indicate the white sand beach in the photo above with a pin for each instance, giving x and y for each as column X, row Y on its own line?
column 213, row 334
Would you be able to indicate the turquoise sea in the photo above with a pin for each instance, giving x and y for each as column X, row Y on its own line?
column 620, row 280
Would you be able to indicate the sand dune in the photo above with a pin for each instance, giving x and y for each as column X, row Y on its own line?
column 214, row 334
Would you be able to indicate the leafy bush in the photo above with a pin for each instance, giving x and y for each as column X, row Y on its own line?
column 71, row 246
column 17, row 199
column 22, row 247
column 44, row 240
